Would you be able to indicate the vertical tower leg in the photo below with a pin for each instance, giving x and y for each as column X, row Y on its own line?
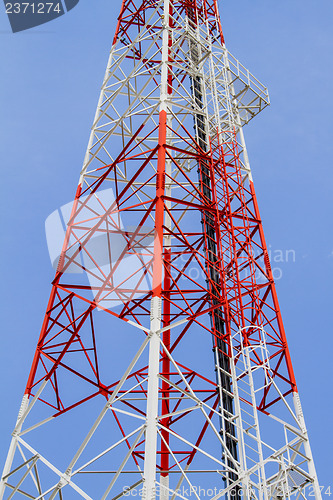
column 156, row 302
column 152, row 402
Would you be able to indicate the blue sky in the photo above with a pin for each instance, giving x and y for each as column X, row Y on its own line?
column 49, row 89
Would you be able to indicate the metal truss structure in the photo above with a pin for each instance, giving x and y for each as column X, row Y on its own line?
column 164, row 260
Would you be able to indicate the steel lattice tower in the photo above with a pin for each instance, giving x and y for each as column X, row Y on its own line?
column 164, row 260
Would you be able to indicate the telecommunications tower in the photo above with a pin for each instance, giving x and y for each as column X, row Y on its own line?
column 162, row 368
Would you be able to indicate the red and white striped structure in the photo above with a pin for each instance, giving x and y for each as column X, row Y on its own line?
column 164, row 261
